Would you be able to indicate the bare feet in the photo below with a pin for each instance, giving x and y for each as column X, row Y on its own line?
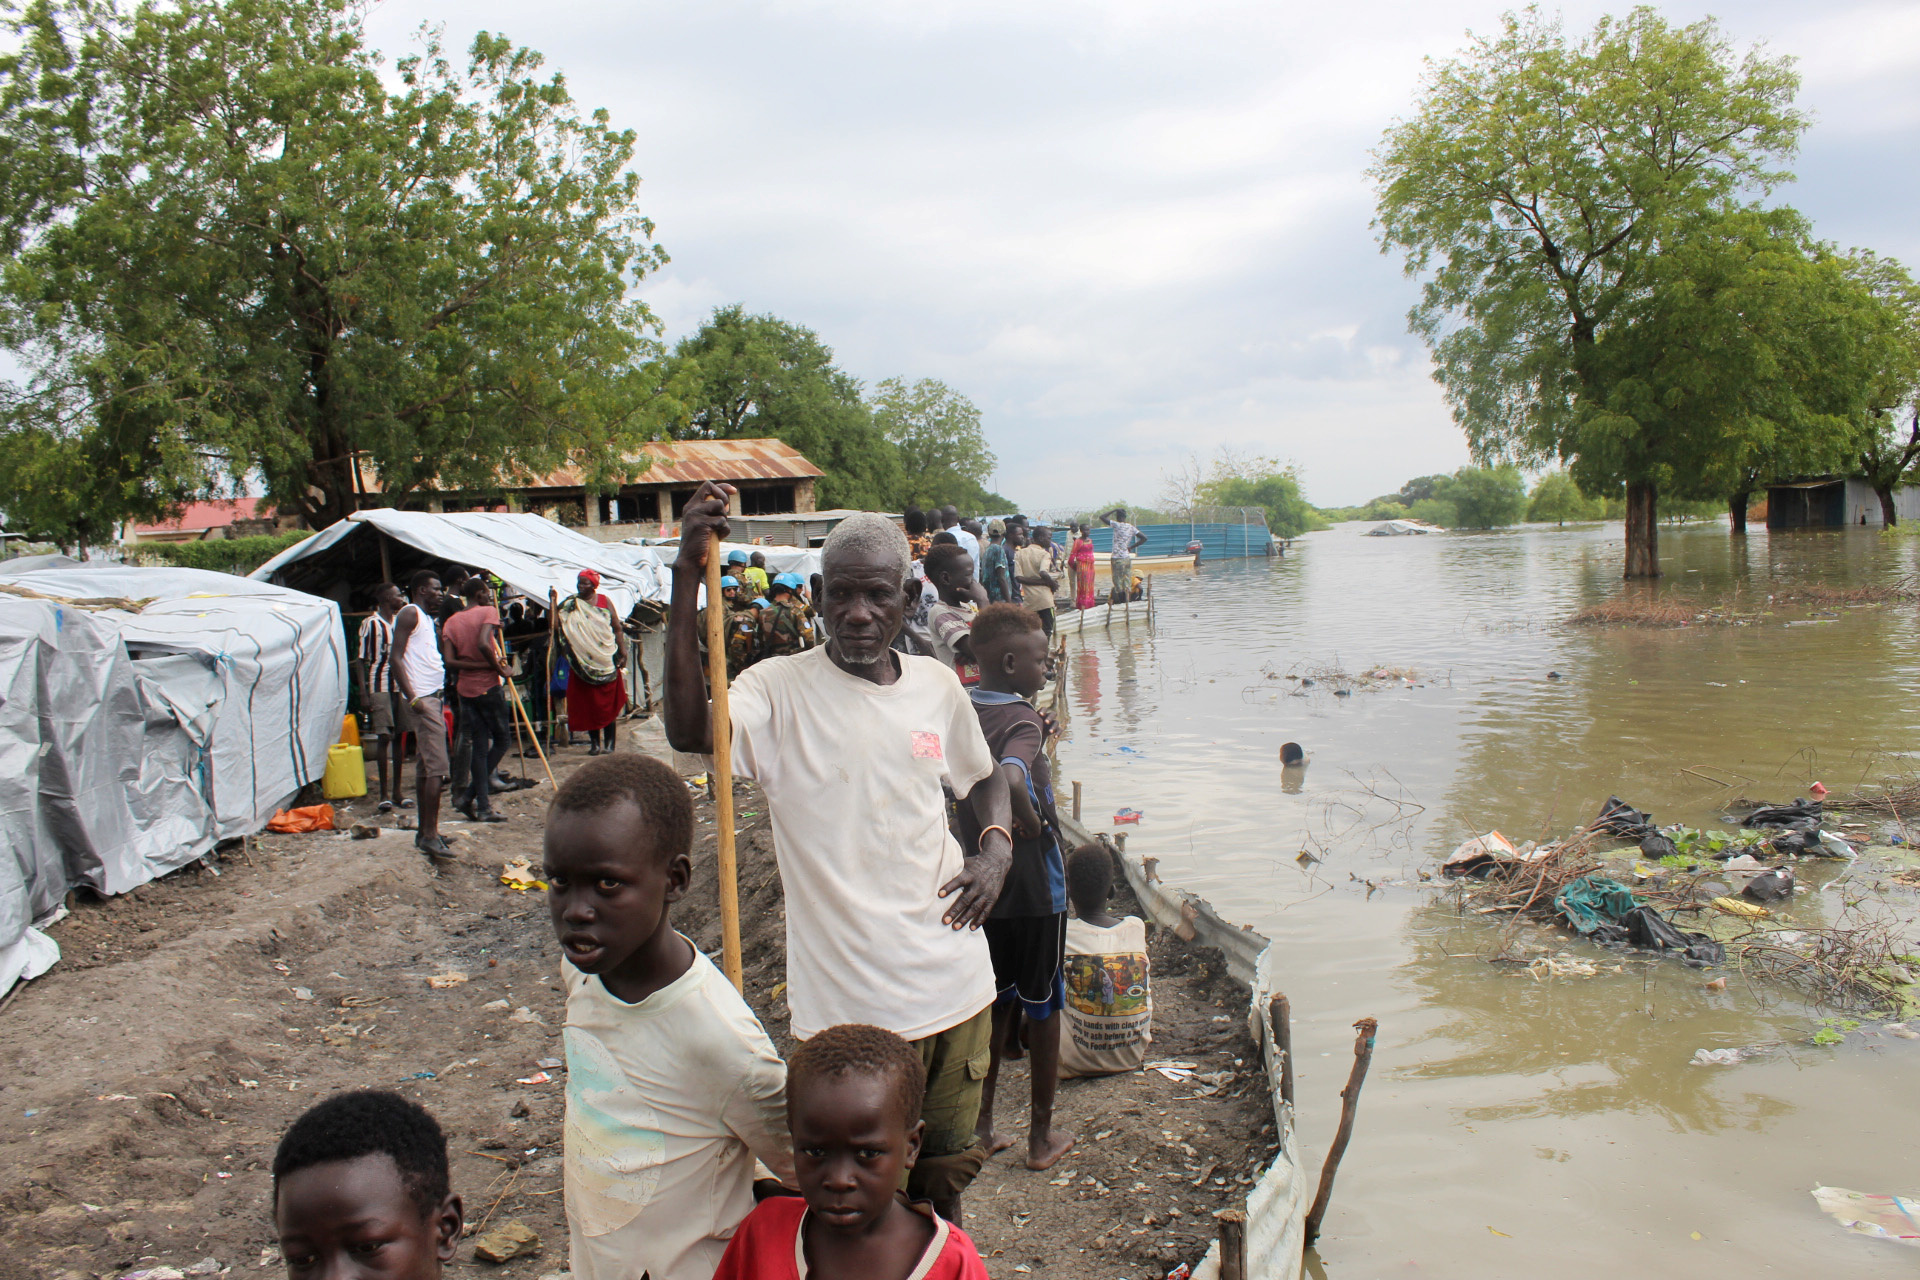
column 1044, row 1150
column 995, row 1144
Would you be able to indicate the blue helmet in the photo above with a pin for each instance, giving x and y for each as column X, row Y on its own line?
column 729, row 581
column 790, row 580
column 736, row 557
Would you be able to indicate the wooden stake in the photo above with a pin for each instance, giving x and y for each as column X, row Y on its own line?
column 1281, row 1014
column 722, row 773
column 1233, row 1243
column 1349, row 1103
column 1076, row 800
column 514, row 691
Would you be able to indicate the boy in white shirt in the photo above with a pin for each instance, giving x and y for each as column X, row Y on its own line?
column 1109, row 1008
column 672, row 1085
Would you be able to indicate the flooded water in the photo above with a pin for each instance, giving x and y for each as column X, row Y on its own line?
column 1513, row 1127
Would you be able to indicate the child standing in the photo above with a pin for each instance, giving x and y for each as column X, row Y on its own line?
column 950, row 569
column 1109, row 1013
column 1026, row 934
column 360, row 1188
column 672, row 1085
column 853, row 1105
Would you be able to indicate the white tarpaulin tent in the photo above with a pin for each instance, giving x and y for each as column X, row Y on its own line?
column 531, row 554
column 657, row 559
column 146, row 714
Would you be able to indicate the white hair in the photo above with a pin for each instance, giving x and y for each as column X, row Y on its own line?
column 866, row 536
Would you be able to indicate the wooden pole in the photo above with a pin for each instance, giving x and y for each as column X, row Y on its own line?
column 1076, row 800
column 514, row 691
column 1281, row 1014
column 553, row 614
column 1349, row 1103
column 1233, row 1243
column 722, row 773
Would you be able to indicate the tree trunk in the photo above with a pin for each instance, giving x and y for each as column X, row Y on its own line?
column 1643, row 530
column 1887, row 516
column 1737, row 511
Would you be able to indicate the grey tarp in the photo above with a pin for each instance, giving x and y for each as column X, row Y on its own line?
column 530, row 553
column 132, row 739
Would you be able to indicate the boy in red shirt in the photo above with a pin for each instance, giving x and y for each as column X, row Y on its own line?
column 853, row 1106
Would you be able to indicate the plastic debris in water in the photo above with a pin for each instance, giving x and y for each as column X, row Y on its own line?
column 1128, row 817
column 1883, row 1217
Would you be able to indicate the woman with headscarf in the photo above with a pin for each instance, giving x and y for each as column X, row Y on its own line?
column 596, row 663
column 1081, row 558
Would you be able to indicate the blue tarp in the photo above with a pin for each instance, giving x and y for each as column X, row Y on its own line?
column 1220, row 541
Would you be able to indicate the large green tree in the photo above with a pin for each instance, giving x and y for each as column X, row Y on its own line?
column 240, row 246
column 1537, row 189
column 758, row 375
column 1885, row 441
column 1241, row 480
column 935, row 431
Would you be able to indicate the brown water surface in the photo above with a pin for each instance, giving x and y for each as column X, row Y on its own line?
column 1516, row 1127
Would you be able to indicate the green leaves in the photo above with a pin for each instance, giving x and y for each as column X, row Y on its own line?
column 1599, row 287
column 936, row 433
column 239, row 244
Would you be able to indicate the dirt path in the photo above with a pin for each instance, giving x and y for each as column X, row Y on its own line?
column 146, row 1079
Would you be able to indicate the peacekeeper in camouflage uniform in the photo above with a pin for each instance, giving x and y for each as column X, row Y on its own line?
column 785, row 626
column 741, row 627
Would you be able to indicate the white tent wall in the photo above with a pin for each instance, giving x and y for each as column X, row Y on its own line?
column 531, row 554
column 131, row 740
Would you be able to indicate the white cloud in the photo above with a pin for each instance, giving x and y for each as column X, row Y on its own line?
column 1128, row 229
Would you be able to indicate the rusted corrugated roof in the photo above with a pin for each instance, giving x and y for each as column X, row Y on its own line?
column 691, row 461
column 674, row 462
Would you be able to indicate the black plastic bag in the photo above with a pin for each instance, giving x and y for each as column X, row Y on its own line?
column 1657, row 846
column 1797, row 843
column 1801, row 815
column 1771, row 887
column 1618, row 818
column 1648, row 928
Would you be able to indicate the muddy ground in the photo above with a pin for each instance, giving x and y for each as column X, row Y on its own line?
column 146, row 1079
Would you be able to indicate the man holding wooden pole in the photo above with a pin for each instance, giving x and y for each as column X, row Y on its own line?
column 850, row 742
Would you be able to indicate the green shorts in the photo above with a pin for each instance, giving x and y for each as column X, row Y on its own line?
column 951, row 1153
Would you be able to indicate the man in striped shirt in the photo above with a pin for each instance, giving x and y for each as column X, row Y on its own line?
column 376, row 687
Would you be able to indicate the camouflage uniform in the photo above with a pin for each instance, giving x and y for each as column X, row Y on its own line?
column 741, row 629
column 785, row 627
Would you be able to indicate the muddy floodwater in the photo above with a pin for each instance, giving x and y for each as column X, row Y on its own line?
column 1514, row 1126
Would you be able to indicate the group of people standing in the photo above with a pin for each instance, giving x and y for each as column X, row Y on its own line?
column 433, row 663
column 766, row 616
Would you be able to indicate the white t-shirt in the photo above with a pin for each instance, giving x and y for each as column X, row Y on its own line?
column 852, row 773
column 668, row 1103
column 426, row 672
column 968, row 543
column 1109, row 1006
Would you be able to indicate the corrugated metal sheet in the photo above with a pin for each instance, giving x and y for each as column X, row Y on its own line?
column 675, row 462
column 691, row 461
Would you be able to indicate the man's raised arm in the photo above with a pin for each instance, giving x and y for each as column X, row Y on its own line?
column 689, row 720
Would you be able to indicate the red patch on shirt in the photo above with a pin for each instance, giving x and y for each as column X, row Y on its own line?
column 926, row 746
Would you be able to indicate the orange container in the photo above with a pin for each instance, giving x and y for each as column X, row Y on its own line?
column 350, row 731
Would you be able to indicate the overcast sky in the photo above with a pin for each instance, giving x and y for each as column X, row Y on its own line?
column 1129, row 231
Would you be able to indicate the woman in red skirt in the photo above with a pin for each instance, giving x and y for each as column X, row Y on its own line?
column 596, row 663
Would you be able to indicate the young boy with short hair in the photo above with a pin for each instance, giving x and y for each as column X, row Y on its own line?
column 360, row 1188
column 950, row 621
column 853, row 1105
column 672, row 1085
column 1109, row 1011
column 1026, row 934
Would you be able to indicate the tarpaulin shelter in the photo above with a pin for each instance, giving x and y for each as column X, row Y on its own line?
column 656, row 559
column 530, row 553
column 146, row 714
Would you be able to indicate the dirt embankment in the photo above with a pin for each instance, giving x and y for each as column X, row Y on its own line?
column 145, row 1081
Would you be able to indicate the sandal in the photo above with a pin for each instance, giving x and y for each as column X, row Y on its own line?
column 385, row 806
column 437, row 850
column 403, row 804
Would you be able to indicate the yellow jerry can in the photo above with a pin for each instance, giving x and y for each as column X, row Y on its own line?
column 346, row 775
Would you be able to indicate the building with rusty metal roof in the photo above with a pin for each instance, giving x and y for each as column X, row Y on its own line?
column 771, row 477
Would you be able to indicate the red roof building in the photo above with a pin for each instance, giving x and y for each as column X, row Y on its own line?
column 202, row 520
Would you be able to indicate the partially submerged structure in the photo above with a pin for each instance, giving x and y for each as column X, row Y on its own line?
column 145, row 715
column 1224, row 533
column 1835, row 502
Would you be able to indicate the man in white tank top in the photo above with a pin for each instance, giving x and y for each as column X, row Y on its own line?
column 421, row 674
